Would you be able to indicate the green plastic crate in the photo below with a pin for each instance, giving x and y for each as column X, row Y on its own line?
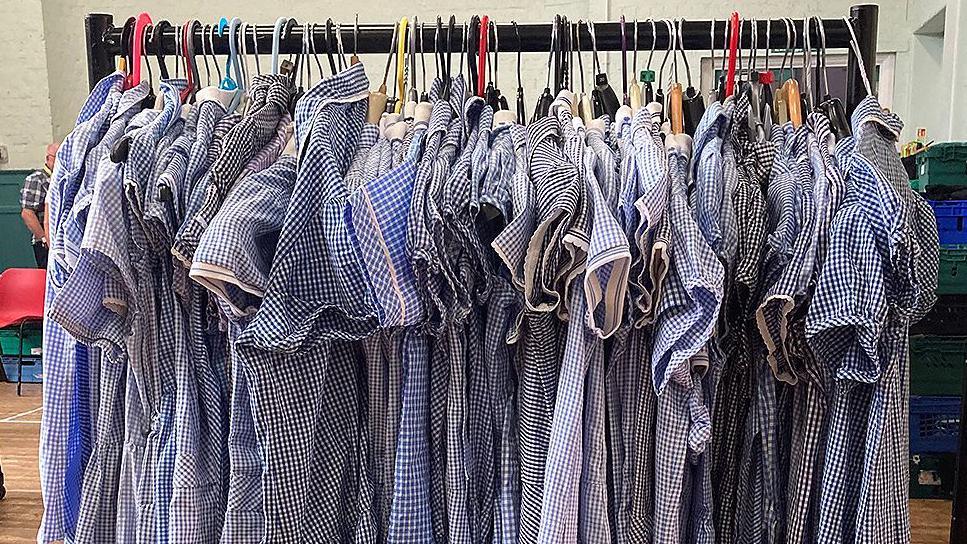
column 933, row 475
column 942, row 164
column 937, row 365
column 953, row 271
column 33, row 339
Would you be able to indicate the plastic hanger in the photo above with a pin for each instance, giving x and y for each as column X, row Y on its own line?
column 767, row 78
column 157, row 32
column 424, row 108
column 603, row 97
column 207, row 31
column 733, row 46
column 127, row 42
column 647, row 76
column 543, row 105
column 830, row 106
column 494, row 97
column 482, row 54
column 399, row 93
column 305, row 67
column 151, row 100
column 625, row 98
column 276, row 33
column 191, row 67
column 693, row 103
column 521, row 110
column 137, row 39
column 227, row 83
column 445, row 58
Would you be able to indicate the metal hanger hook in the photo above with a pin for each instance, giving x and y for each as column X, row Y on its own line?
column 681, row 45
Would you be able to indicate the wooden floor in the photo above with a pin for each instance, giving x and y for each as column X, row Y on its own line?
column 20, row 511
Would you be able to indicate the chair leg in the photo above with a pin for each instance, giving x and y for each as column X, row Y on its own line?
column 20, row 362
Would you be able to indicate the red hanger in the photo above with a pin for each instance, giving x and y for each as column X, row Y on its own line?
column 187, row 33
column 482, row 54
column 134, row 71
column 733, row 47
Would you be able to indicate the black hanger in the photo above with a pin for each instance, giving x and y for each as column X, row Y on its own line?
column 157, row 34
column 766, row 78
column 424, row 96
column 472, row 49
column 626, row 100
column 190, row 27
column 693, row 105
column 720, row 83
column 543, row 105
column 829, row 106
column 647, row 76
column 521, row 114
column 563, row 55
column 603, row 97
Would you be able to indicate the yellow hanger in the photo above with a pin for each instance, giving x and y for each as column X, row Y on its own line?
column 401, row 64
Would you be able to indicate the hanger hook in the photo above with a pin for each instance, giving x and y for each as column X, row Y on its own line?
column 768, row 41
column 681, row 45
column 634, row 54
column 146, row 57
column 822, row 56
column 493, row 27
column 654, row 41
column 664, row 61
column 339, row 46
column 594, row 46
column 356, row 35
column 423, row 57
column 389, row 58
column 855, row 46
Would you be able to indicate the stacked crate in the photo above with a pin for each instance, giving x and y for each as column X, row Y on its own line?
column 938, row 344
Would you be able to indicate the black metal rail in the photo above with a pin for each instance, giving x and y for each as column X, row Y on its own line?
column 104, row 39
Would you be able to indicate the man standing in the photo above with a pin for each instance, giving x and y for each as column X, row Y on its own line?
column 34, row 207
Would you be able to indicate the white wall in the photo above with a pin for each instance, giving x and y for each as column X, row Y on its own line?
column 25, row 122
column 40, row 102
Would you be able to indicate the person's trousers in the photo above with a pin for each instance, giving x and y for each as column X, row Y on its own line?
column 40, row 254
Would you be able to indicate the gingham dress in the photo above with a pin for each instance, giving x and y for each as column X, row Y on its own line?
column 882, row 231
column 299, row 365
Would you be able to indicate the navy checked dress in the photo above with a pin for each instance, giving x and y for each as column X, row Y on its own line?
column 878, row 277
column 298, row 354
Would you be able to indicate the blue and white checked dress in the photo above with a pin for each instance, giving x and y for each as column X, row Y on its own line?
column 858, row 325
column 64, row 442
column 298, row 353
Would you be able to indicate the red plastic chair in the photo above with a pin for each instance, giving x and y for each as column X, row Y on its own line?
column 21, row 302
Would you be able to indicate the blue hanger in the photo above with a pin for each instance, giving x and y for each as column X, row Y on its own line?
column 227, row 83
column 279, row 23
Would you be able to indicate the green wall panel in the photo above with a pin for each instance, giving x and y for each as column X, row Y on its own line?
column 15, row 250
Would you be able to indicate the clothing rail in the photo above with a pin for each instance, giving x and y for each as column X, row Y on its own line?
column 104, row 40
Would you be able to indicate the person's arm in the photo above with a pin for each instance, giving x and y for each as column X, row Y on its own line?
column 33, row 223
